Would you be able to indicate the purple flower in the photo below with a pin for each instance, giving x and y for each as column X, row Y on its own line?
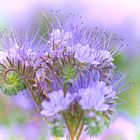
column 84, row 53
column 57, row 103
column 69, row 70
column 59, row 37
column 93, row 97
column 21, row 43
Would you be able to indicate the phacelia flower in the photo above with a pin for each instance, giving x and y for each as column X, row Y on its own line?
column 58, row 102
column 84, row 53
column 69, row 71
column 59, row 37
column 93, row 98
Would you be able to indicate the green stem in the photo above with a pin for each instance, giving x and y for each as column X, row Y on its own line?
column 80, row 131
column 68, row 126
column 73, row 133
column 79, row 121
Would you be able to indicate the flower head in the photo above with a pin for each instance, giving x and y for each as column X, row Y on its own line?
column 59, row 37
column 70, row 76
column 57, row 103
column 93, row 97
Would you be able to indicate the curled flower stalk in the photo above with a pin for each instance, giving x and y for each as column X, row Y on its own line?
column 69, row 71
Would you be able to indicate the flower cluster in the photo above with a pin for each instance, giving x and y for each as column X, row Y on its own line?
column 69, row 72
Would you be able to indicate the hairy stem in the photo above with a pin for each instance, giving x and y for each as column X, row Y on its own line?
column 79, row 121
column 68, row 126
column 80, row 132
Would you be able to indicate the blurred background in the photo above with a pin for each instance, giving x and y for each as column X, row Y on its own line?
column 19, row 121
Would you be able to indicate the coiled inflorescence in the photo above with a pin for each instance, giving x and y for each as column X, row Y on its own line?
column 69, row 71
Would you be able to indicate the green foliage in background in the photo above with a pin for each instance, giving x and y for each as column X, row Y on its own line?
column 131, row 95
column 138, row 136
